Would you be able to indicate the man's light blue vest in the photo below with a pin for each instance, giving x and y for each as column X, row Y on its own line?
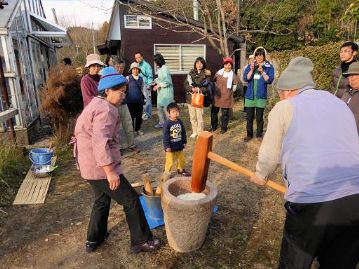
column 320, row 151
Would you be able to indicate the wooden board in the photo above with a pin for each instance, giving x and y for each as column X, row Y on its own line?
column 33, row 190
column 8, row 114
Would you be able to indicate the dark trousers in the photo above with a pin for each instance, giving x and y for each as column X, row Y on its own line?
column 258, row 112
column 328, row 231
column 136, row 111
column 126, row 196
column 244, row 97
column 224, row 118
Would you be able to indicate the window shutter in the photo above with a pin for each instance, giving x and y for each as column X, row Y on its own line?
column 189, row 55
column 144, row 22
column 180, row 58
column 171, row 55
column 131, row 21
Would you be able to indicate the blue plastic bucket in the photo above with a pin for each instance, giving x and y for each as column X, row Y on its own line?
column 153, row 204
column 41, row 156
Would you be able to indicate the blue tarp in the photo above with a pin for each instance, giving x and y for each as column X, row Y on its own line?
column 154, row 223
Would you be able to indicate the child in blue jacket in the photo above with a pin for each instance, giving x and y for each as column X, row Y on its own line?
column 174, row 141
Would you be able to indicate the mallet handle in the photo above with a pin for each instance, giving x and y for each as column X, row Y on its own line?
column 216, row 158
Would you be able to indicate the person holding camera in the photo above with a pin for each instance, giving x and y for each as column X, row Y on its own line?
column 258, row 75
column 244, row 83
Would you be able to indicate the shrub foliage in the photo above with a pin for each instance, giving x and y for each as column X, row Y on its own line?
column 62, row 99
column 13, row 164
column 325, row 59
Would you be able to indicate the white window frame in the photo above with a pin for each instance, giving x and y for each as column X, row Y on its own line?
column 180, row 72
column 138, row 22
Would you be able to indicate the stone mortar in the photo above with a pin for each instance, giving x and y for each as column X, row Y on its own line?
column 186, row 222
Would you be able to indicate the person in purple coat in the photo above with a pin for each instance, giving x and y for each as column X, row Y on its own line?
column 90, row 81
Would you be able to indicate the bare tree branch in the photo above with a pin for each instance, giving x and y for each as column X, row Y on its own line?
column 267, row 32
column 224, row 28
column 216, row 25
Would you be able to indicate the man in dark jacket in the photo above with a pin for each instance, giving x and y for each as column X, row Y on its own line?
column 348, row 53
column 351, row 96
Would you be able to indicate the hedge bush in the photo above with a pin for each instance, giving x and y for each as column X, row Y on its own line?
column 325, row 59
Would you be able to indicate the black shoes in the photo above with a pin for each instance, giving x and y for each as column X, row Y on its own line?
column 184, row 173
column 212, row 130
column 149, row 246
column 247, row 138
column 92, row 246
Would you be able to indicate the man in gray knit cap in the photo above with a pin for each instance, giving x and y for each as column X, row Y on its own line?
column 314, row 136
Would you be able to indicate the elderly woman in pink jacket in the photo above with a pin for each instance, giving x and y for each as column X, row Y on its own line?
column 99, row 159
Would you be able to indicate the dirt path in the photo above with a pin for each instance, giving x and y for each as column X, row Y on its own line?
column 245, row 233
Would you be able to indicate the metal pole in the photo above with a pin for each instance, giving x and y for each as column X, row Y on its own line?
column 55, row 16
column 93, row 38
column 7, row 103
column 195, row 10
column 238, row 16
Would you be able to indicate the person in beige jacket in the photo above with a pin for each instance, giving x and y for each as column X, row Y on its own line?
column 313, row 135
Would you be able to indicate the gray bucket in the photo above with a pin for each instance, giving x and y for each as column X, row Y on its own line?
column 154, row 207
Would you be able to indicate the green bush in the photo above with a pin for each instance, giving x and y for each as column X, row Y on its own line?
column 325, row 59
column 13, row 165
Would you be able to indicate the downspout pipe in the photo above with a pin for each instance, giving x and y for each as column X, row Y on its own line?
column 6, row 102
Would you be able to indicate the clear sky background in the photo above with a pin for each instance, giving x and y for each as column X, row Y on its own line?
column 79, row 12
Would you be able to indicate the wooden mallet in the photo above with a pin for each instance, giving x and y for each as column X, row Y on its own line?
column 203, row 155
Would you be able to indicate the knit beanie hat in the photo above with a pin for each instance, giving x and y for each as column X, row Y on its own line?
column 297, row 75
column 109, row 79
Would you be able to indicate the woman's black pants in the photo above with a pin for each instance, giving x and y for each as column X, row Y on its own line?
column 258, row 113
column 126, row 196
column 224, row 118
column 136, row 111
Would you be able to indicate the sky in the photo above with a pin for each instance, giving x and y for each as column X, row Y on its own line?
column 79, row 12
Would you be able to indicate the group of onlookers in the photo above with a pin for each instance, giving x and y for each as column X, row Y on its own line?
column 255, row 77
column 345, row 79
column 311, row 133
column 112, row 99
